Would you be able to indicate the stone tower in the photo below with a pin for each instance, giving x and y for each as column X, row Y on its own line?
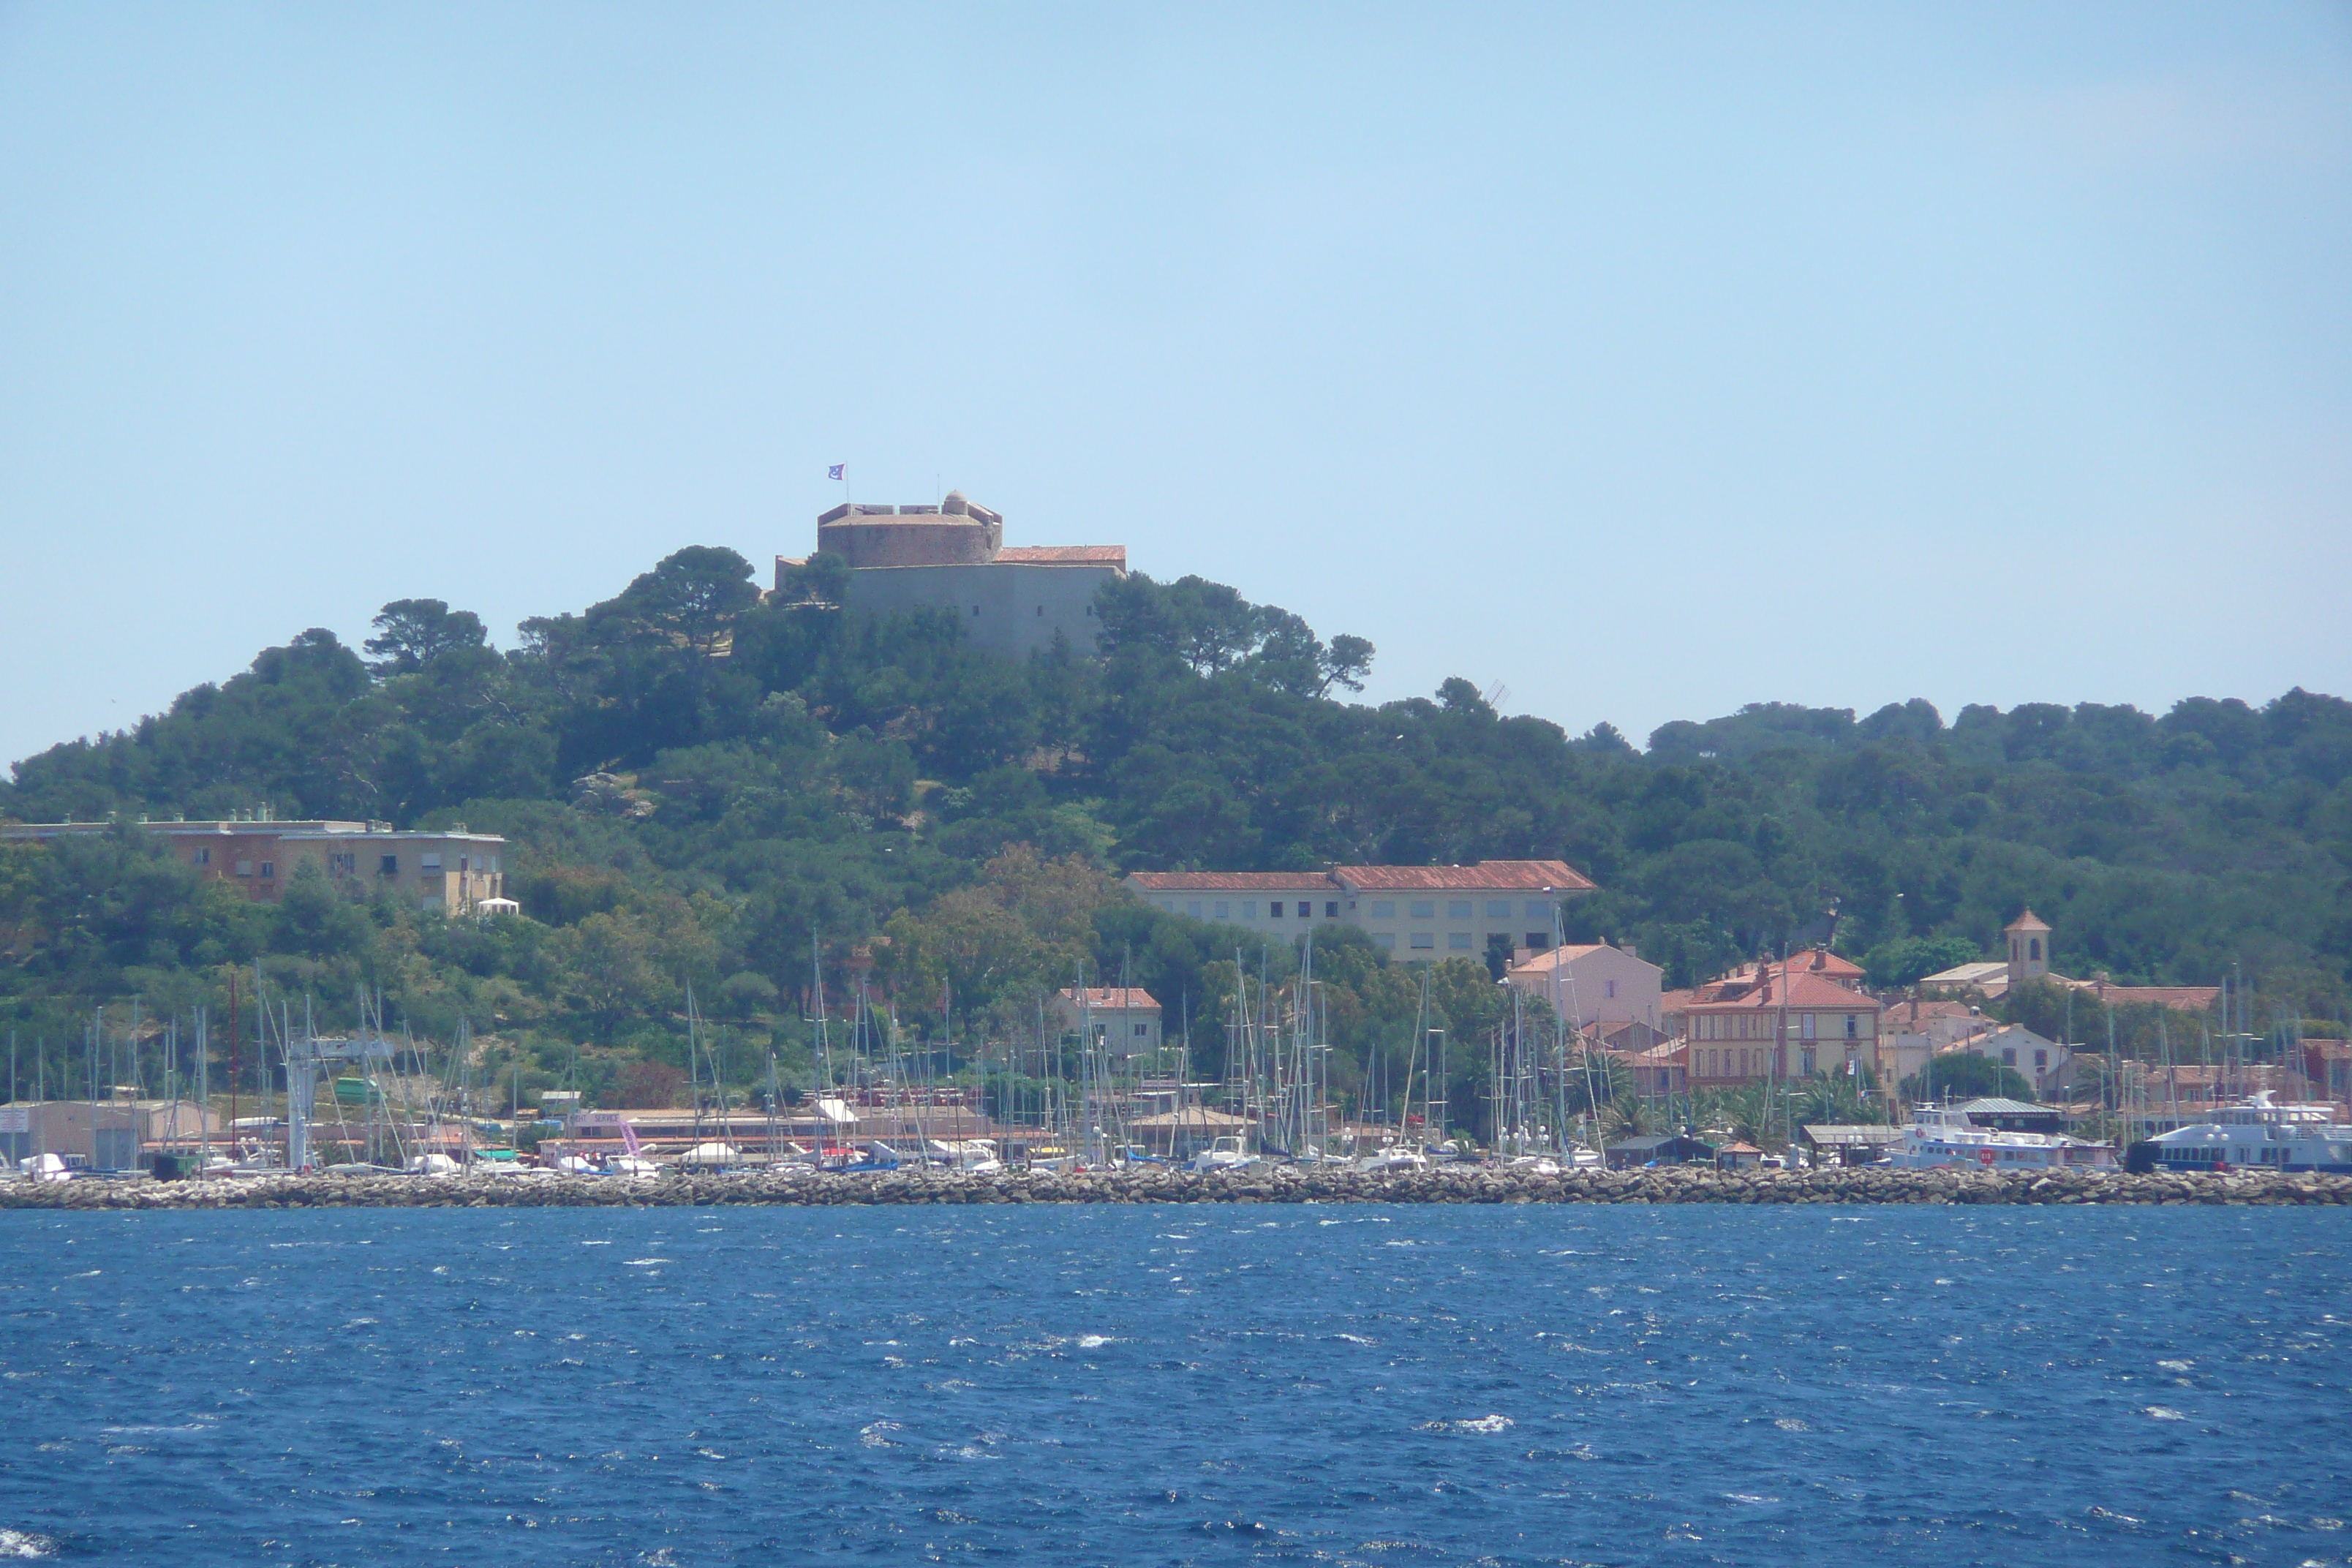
column 2029, row 948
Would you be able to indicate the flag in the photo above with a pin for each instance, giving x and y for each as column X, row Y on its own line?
column 836, row 471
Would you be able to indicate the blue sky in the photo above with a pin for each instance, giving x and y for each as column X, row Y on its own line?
column 1648, row 361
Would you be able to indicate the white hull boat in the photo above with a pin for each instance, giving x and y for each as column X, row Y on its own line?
column 1943, row 1135
column 2256, row 1134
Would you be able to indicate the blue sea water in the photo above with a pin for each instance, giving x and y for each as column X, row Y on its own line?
column 1340, row 1384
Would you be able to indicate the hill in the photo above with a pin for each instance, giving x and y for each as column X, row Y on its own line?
column 701, row 783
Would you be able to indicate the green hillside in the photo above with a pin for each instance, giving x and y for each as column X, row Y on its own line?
column 699, row 784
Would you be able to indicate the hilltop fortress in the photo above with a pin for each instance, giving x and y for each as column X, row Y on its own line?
column 952, row 557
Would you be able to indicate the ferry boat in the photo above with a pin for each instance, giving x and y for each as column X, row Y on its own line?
column 2256, row 1134
column 1943, row 1135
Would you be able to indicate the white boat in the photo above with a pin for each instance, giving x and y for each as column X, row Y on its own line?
column 1943, row 1135
column 2256, row 1134
column 1224, row 1154
column 44, row 1168
column 1396, row 1157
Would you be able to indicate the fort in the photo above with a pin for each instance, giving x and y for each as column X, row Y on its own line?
column 952, row 557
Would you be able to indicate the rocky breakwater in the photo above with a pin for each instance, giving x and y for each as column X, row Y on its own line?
column 1279, row 1184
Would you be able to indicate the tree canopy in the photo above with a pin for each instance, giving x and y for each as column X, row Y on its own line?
column 705, row 787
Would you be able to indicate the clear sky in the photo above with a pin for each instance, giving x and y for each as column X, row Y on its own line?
column 1646, row 360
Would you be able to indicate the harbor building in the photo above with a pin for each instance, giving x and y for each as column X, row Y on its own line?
column 103, row 1135
column 1417, row 912
column 952, row 557
column 456, row 872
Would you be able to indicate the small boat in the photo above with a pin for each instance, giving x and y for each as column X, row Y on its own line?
column 2255, row 1134
column 44, row 1168
column 1943, row 1135
column 1224, row 1154
column 1396, row 1157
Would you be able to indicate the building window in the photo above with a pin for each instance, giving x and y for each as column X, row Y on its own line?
column 1538, row 909
column 2034, row 948
column 429, row 863
column 1168, row 904
column 1221, row 908
column 2008, row 1056
column 1458, row 910
column 1498, row 908
column 387, row 865
column 204, row 855
column 1143, row 1031
column 1249, row 912
column 268, row 869
column 1458, row 940
column 1386, row 941
column 1193, row 908
column 1273, row 911
column 1806, row 1061
column 1423, row 909
column 1041, row 609
column 1852, row 1031
column 1383, row 911
column 1331, row 910
column 975, row 609
column 2041, row 1062
column 244, row 868
column 1537, row 939
column 1812, row 1032
column 1306, row 910
column 1422, row 941
column 1608, row 989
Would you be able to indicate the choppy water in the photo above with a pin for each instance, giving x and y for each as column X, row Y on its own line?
column 1181, row 1384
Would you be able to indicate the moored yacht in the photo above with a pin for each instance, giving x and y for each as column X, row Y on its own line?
column 2256, row 1134
column 1943, row 1135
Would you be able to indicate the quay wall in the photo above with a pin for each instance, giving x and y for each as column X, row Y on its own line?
column 1280, row 1186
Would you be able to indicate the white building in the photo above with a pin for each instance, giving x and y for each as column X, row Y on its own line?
column 1418, row 912
column 1594, row 983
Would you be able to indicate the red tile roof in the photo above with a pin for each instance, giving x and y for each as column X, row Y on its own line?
column 1232, row 881
column 2180, row 998
column 1111, row 998
column 1804, row 990
column 1066, row 555
column 1487, row 876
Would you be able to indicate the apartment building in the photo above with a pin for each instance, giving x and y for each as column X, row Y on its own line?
column 456, row 872
column 1418, row 912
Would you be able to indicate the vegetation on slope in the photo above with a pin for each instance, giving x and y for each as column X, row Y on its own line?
column 708, row 788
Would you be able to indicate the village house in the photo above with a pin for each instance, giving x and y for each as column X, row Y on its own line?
column 1593, row 983
column 1125, row 1018
column 1418, row 912
column 2028, row 939
column 1782, row 1020
column 2042, row 1063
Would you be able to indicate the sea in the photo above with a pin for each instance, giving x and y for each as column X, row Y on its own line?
column 1179, row 1384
